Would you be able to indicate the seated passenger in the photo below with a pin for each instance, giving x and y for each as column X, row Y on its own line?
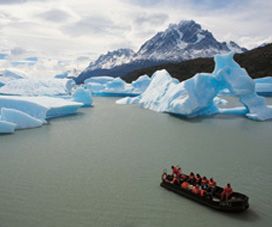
column 204, row 183
column 175, row 181
column 212, row 183
column 191, row 179
column 185, row 185
column 198, row 179
column 227, row 192
column 196, row 190
column 176, row 171
column 202, row 193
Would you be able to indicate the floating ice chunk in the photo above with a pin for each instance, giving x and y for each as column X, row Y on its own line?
column 25, row 105
column 42, row 107
column 21, row 119
column 70, row 84
column 116, row 85
column 141, row 83
column 13, row 74
column 95, row 87
column 99, row 79
column 83, row 96
column 6, row 127
column 36, row 87
column 129, row 100
column 62, row 75
column 10, row 74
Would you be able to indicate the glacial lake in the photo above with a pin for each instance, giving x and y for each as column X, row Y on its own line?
column 103, row 167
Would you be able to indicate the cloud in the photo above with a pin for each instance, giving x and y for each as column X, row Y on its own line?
column 151, row 19
column 97, row 26
column 94, row 26
column 10, row 2
column 54, row 15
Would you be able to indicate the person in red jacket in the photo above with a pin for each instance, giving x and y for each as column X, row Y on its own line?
column 191, row 179
column 196, row 190
column 185, row 185
column 204, row 183
column 198, row 179
column 212, row 183
column 227, row 192
column 176, row 171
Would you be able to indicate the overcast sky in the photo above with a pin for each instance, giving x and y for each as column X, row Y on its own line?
column 60, row 27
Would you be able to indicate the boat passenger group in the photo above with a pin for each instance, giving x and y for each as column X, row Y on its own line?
column 198, row 185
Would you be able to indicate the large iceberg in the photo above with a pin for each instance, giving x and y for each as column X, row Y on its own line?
column 19, row 112
column 198, row 96
column 42, row 107
column 37, row 87
column 21, row 119
column 83, row 96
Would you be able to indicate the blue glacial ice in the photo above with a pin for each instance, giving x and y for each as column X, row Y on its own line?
column 198, row 96
column 109, row 86
column 21, row 119
column 6, row 127
column 37, row 87
column 141, row 83
column 99, row 80
column 264, row 86
column 83, row 96
column 28, row 112
column 42, row 107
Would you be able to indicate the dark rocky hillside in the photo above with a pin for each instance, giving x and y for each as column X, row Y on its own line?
column 258, row 63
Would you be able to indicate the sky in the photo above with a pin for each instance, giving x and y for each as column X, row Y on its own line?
column 91, row 27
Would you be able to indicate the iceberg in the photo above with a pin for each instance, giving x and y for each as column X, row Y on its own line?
column 37, row 87
column 198, row 96
column 24, row 104
column 83, row 96
column 116, row 84
column 20, row 119
column 11, row 74
column 141, row 83
column 99, row 79
column 109, row 86
column 6, row 127
column 42, row 107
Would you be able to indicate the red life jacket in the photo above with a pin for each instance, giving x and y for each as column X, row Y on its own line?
column 212, row 183
column 195, row 190
column 202, row 193
column 177, row 171
column 185, row 185
column 175, row 181
column 228, row 190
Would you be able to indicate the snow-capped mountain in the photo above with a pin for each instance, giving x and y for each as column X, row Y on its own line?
column 179, row 42
column 183, row 41
column 112, row 59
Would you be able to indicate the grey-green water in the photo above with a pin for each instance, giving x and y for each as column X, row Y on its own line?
column 102, row 168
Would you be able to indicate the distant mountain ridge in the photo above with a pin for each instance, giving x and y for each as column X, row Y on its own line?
column 257, row 62
column 179, row 42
